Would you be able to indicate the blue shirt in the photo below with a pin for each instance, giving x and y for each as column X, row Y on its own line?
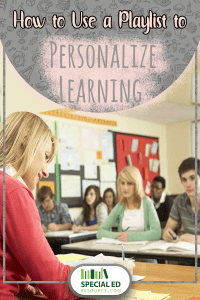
column 59, row 215
column 92, row 222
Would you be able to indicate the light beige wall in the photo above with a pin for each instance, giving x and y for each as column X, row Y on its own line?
column 178, row 142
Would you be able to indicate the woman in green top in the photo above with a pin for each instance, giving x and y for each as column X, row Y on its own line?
column 138, row 220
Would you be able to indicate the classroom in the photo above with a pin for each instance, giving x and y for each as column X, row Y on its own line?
column 164, row 129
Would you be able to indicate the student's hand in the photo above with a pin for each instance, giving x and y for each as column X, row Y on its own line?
column 44, row 228
column 168, row 235
column 74, row 227
column 122, row 236
column 53, row 227
column 77, row 228
column 187, row 238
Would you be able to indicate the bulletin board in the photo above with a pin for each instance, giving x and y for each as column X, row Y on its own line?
column 85, row 156
column 141, row 152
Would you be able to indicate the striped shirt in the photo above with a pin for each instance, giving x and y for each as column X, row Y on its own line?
column 59, row 215
column 182, row 211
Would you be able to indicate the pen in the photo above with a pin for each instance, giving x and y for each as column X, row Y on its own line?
column 124, row 231
column 123, row 254
column 75, row 222
column 126, row 228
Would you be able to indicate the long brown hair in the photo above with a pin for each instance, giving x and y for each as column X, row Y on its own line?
column 131, row 174
column 86, row 207
column 113, row 193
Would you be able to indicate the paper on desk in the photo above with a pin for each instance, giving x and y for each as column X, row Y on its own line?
column 98, row 259
column 142, row 295
column 110, row 241
column 70, row 257
column 137, row 277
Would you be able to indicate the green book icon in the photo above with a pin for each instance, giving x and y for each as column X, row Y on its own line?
column 105, row 273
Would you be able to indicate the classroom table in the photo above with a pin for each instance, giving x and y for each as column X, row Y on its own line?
column 57, row 238
column 70, row 235
column 157, row 272
column 91, row 248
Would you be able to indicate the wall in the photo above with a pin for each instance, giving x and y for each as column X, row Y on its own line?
column 127, row 125
column 178, row 142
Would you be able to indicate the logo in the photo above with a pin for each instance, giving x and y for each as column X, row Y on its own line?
column 92, row 274
column 102, row 280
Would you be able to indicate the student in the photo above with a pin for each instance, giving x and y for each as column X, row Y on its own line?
column 161, row 202
column 137, row 216
column 109, row 199
column 54, row 215
column 29, row 147
column 94, row 211
column 183, row 208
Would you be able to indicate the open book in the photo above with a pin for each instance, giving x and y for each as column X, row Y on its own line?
column 171, row 246
column 110, row 241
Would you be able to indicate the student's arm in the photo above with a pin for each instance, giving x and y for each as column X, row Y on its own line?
column 187, row 237
column 173, row 220
column 56, row 227
column 89, row 228
column 101, row 213
column 79, row 222
column 66, row 222
column 154, row 232
column 104, row 230
column 168, row 232
column 44, row 228
column 30, row 248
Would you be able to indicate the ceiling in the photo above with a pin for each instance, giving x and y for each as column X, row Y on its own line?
column 162, row 112
column 173, row 105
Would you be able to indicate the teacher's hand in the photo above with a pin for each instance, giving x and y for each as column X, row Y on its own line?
column 122, row 236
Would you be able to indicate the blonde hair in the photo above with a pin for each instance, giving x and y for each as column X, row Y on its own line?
column 25, row 132
column 131, row 174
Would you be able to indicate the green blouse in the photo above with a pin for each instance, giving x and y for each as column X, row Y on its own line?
column 152, row 229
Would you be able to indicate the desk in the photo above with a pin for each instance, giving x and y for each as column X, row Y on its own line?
column 90, row 248
column 57, row 238
column 70, row 235
column 156, row 272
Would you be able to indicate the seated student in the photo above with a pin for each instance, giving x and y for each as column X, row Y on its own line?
column 137, row 216
column 161, row 202
column 94, row 211
column 109, row 199
column 54, row 215
column 183, row 208
column 29, row 147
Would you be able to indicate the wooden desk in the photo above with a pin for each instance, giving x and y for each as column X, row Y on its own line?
column 156, row 272
column 90, row 248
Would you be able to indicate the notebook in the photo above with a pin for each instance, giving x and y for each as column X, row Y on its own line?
column 110, row 241
column 70, row 257
column 171, row 246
